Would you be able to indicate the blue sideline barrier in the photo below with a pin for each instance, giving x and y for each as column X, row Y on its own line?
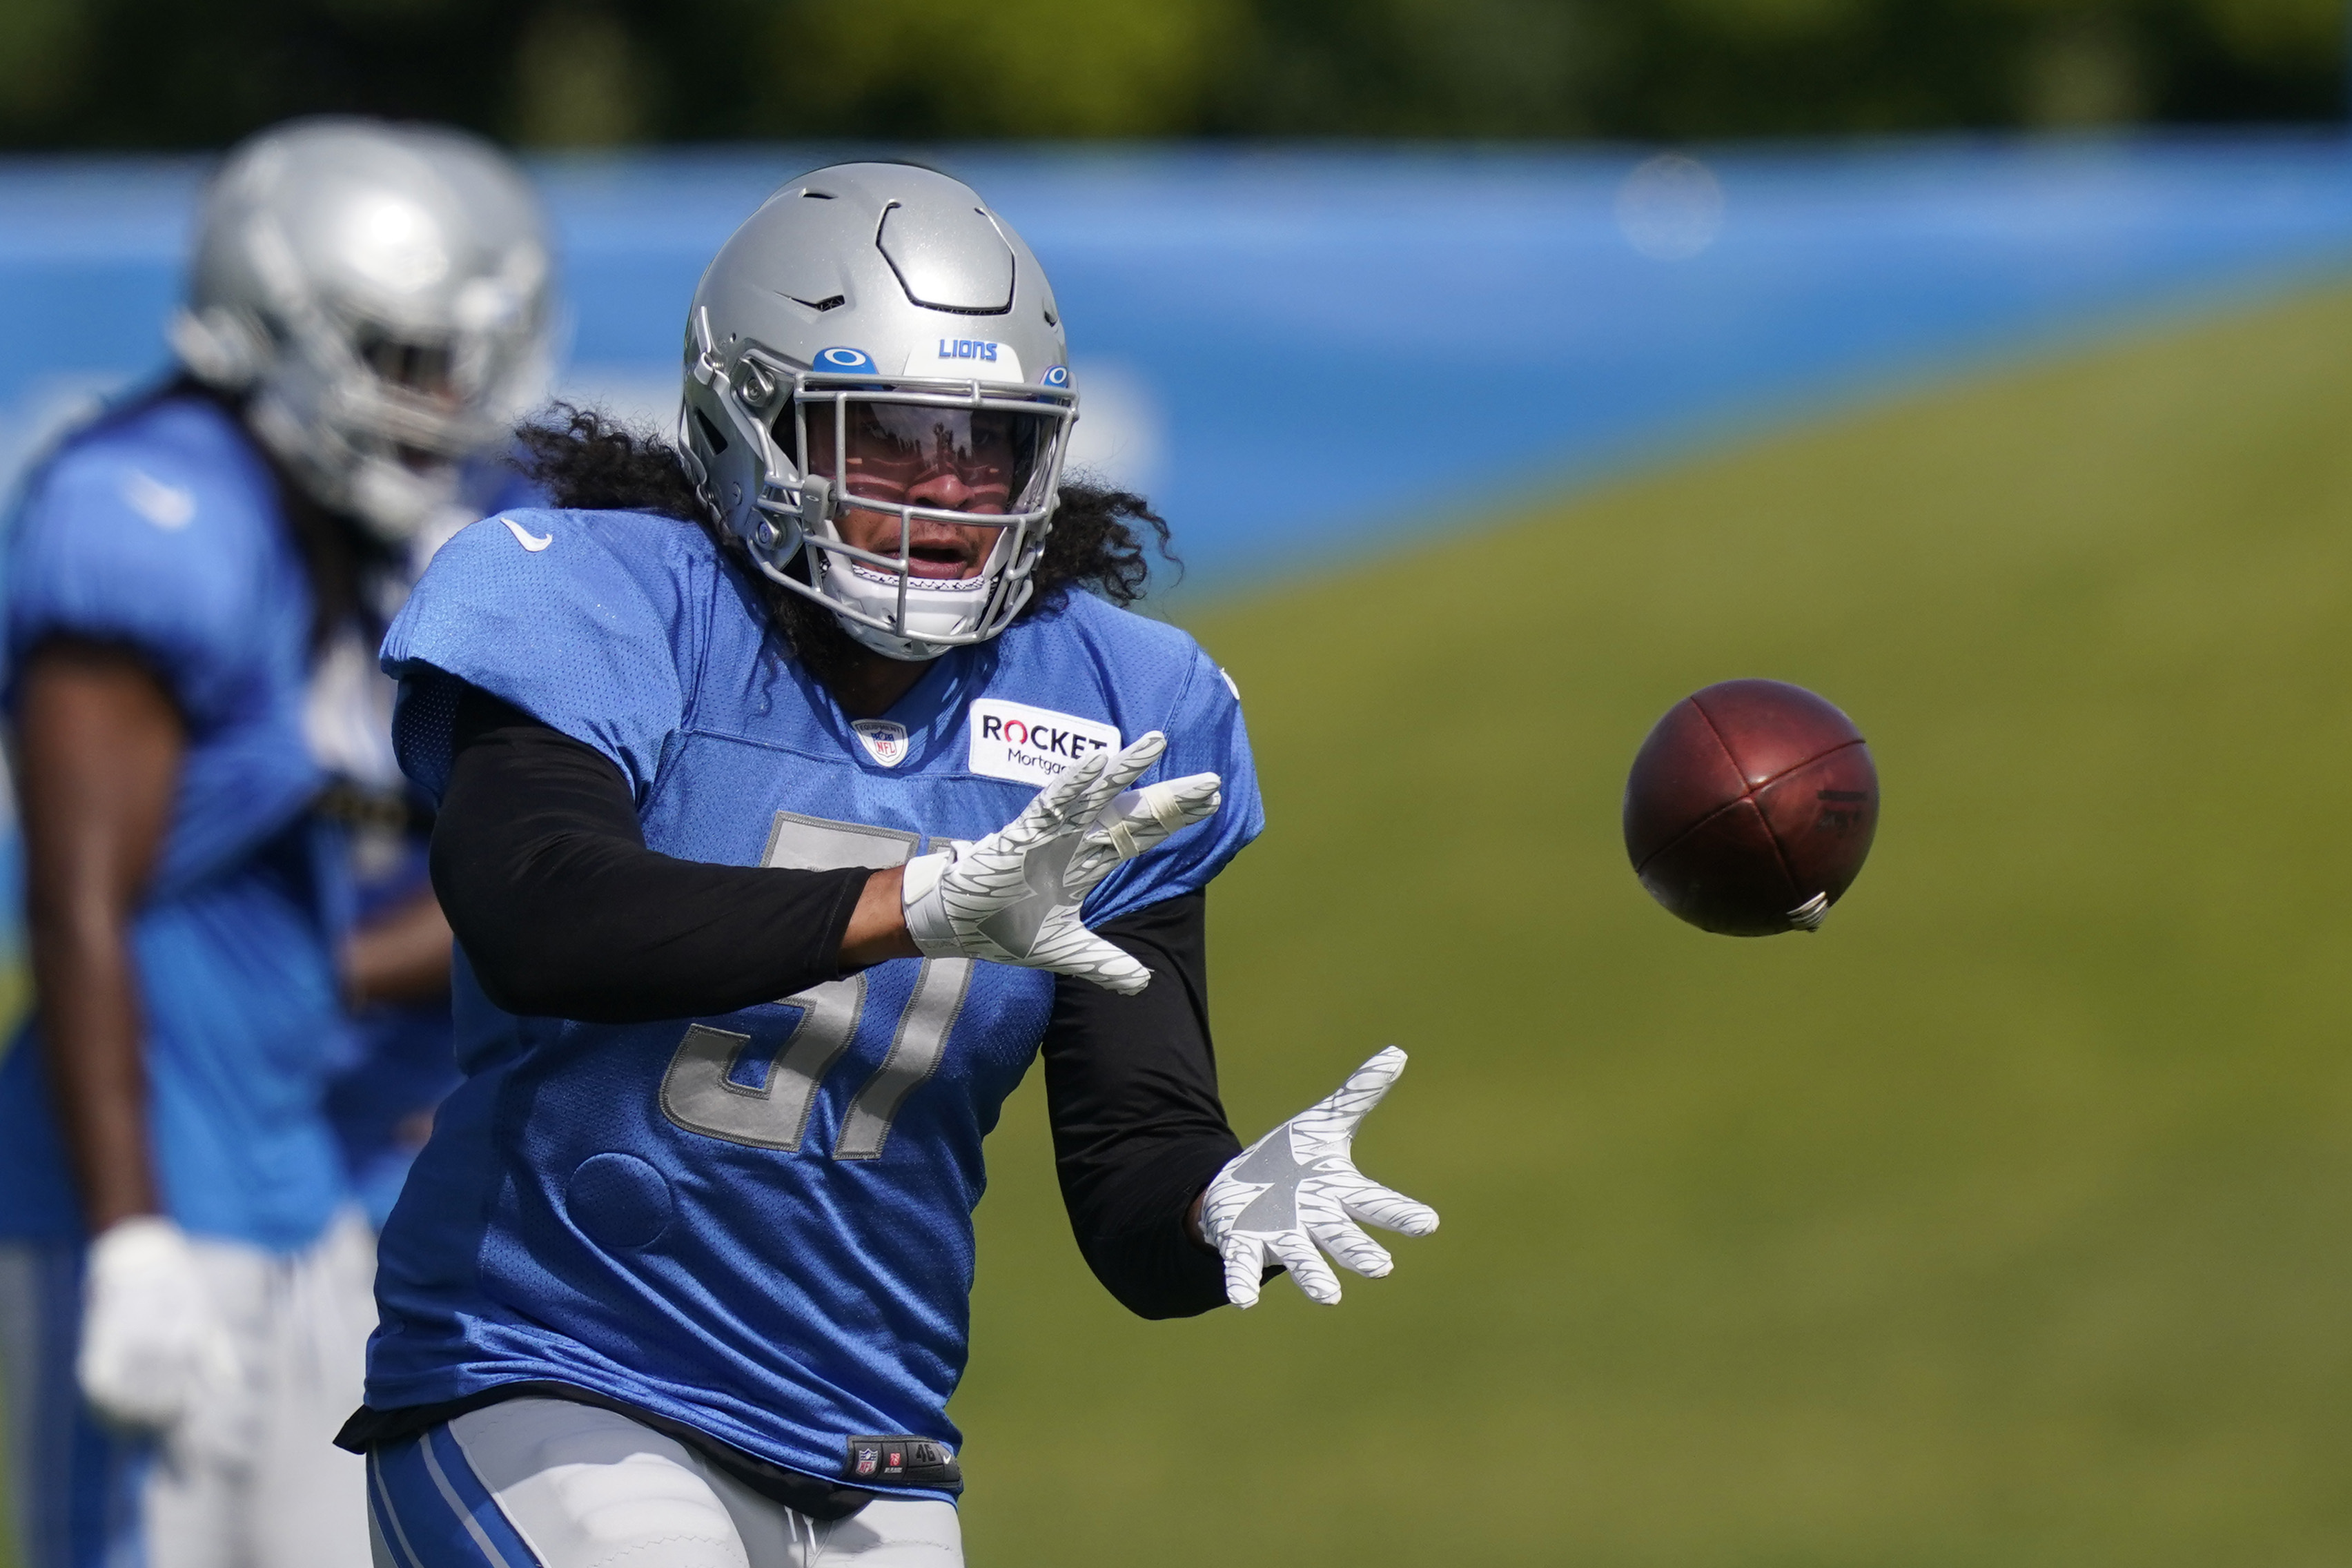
column 1293, row 346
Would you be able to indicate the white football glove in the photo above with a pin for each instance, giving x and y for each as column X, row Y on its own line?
column 152, row 1345
column 1014, row 896
column 1298, row 1188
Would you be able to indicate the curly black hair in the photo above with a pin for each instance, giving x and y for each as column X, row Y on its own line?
column 584, row 457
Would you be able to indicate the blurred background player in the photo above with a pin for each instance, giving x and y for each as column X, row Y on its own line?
column 838, row 704
column 195, row 585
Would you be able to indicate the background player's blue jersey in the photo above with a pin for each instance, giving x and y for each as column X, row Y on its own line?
column 160, row 528
column 402, row 1064
column 757, row 1224
column 381, row 1105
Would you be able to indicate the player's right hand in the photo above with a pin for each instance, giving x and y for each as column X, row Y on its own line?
column 152, row 1345
column 1014, row 896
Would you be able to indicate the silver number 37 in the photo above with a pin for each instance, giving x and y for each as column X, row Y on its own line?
column 699, row 1091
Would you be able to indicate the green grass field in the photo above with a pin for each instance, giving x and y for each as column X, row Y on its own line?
column 2008, row 1221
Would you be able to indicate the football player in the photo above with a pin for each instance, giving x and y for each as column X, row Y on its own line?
column 833, row 703
column 194, row 586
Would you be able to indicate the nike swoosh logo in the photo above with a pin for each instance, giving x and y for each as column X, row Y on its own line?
column 535, row 542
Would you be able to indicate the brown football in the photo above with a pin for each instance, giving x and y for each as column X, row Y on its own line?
column 1750, row 808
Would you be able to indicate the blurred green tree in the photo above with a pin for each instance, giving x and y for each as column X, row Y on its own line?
column 1019, row 68
column 161, row 73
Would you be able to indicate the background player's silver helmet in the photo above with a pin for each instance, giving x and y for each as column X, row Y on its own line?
column 875, row 292
column 384, row 292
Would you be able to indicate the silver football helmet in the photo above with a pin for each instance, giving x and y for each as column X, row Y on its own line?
column 875, row 346
column 385, row 293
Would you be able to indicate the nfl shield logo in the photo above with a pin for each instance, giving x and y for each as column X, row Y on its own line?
column 866, row 1460
column 885, row 741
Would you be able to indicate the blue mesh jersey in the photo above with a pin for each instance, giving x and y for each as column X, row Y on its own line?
column 160, row 527
column 757, row 1224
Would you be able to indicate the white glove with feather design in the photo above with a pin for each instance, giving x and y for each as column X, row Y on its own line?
column 1014, row 896
column 1298, row 1188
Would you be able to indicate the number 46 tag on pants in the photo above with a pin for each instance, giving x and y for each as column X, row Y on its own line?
column 1033, row 745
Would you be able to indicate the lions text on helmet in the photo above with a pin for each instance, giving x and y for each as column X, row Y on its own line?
column 857, row 409
column 385, row 294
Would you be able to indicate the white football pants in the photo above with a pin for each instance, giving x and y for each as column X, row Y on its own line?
column 253, row 1478
column 545, row 1482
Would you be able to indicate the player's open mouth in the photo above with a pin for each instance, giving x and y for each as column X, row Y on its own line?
column 953, row 558
column 935, row 551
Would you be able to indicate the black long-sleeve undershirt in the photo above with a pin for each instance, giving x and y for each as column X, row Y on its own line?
column 1138, row 1130
column 562, row 911
column 542, row 869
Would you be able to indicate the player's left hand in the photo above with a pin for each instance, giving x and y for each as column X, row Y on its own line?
column 1298, row 1188
column 1014, row 896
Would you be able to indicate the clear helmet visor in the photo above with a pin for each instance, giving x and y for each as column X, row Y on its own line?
column 986, row 462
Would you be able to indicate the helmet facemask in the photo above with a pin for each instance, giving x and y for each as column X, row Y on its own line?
column 898, row 462
column 378, row 419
